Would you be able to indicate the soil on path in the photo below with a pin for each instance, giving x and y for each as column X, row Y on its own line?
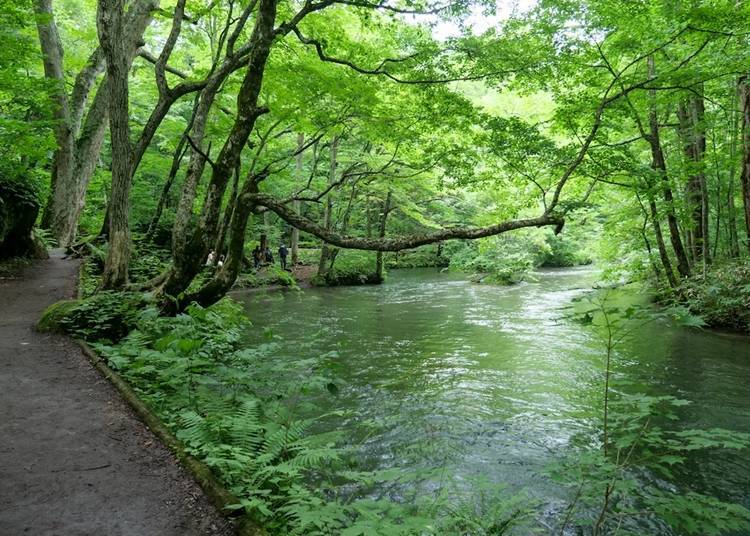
column 74, row 459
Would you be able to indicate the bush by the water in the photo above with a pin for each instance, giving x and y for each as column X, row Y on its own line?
column 430, row 256
column 352, row 267
column 722, row 297
column 267, row 277
column 507, row 259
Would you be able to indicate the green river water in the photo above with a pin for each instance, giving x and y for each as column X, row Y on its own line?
column 495, row 381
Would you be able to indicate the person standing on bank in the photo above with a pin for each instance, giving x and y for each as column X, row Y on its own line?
column 283, row 252
column 257, row 257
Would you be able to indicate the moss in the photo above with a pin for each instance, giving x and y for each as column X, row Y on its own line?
column 52, row 317
column 339, row 278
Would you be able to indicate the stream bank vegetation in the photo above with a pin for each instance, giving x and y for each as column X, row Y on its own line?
column 163, row 140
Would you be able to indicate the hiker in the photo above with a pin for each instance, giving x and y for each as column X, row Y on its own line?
column 210, row 259
column 283, row 252
column 268, row 255
column 256, row 257
column 221, row 262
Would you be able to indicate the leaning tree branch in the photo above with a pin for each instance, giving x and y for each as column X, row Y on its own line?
column 403, row 11
column 380, row 71
column 161, row 62
column 205, row 156
column 397, row 243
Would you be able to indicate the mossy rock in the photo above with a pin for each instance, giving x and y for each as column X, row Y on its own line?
column 51, row 319
column 346, row 278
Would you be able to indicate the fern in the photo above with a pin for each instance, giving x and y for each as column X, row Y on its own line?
column 230, row 409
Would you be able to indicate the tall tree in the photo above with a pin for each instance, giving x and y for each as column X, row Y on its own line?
column 659, row 164
column 80, row 129
column 745, row 171
column 110, row 24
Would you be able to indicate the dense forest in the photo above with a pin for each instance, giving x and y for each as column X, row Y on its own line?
column 180, row 148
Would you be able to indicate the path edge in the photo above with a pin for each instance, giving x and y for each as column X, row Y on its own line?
column 216, row 492
column 219, row 496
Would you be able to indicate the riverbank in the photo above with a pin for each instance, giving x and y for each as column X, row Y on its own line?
column 75, row 459
column 421, row 392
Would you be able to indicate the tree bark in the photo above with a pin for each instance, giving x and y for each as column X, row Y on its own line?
column 694, row 146
column 110, row 23
column 294, row 239
column 325, row 250
column 220, row 246
column 734, row 243
column 745, row 170
column 190, row 249
column 344, row 226
column 400, row 242
column 63, row 192
column 661, row 246
column 699, row 129
column 379, row 262
column 78, row 135
column 658, row 163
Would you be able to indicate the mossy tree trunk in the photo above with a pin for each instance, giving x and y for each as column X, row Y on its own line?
column 110, row 24
column 379, row 261
column 81, row 126
column 325, row 250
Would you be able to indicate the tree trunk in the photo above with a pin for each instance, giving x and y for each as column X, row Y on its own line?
column 190, row 249
column 661, row 246
column 658, row 163
column 379, row 262
column 344, row 227
column 78, row 135
column 294, row 239
column 328, row 209
column 698, row 112
column 226, row 275
column 734, row 243
column 695, row 237
column 110, row 23
column 57, row 215
column 745, row 171
column 220, row 246
column 179, row 154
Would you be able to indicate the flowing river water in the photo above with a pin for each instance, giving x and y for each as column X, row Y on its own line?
column 479, row 380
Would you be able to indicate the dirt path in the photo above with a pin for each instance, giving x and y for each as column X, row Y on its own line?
column 74, row 460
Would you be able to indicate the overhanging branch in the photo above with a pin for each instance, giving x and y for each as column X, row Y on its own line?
column 402, row 242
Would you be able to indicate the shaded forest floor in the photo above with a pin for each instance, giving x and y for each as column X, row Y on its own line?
column 75, row 460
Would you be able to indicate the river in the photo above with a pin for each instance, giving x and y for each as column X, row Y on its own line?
column 437, row 371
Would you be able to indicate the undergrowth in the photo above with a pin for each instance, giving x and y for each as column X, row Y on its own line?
column 721, row 297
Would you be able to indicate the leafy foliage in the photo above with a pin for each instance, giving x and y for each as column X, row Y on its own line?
column 722, row 296
column 107, row 315
column 622, row 473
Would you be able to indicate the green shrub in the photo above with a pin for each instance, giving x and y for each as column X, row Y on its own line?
column 271, row 276
column 722, row 297
column 105, row 316
column 53, row 316
column 352, row 267
column 424, row 257
column 563, row 252
column 490, row 263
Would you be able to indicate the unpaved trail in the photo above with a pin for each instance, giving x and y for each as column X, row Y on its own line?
column 74, row 459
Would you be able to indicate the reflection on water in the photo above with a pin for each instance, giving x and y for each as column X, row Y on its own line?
column 498, row 377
